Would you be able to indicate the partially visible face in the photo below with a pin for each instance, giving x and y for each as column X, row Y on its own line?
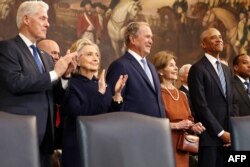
column 143, row 41
column 243, row 68
column 213, row 43
column 88, row 7
column 89, row 59
column 98, row 9
column 184, row 76
column 51, row 48
column 170, row 72
column 37, row 24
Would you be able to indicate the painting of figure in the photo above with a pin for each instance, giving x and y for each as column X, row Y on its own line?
column 176, row 24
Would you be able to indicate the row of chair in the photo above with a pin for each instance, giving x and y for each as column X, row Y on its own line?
column 121, row 139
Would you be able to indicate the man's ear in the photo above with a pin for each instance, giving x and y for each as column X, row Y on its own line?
column 132, row 38
column 203, row 44
column 236, row 68
column 26, row 20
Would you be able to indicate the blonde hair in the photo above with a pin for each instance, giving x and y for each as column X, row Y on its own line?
column 81, row 43
column 161, row 60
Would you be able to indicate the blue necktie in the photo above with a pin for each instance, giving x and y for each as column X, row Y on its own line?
column 147, row 71
column 221, row 76
column 36, row 58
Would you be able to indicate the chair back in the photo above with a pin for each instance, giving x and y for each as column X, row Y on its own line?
column 125, row 139
column 18, row 141
column 240, row 133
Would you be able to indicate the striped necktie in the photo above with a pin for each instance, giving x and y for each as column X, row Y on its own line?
column 222, row 77
column 36, row 58
column 247, row 87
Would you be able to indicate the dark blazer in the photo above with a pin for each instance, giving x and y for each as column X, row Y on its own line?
column 243, row 98
column 183, row 89
column 81, row 99
column 210, row 105
column 138, row 93
column 23, row 90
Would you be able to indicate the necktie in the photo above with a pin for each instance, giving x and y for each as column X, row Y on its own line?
column 147, row 71
column 58, row 116
column 221, row 76
column 36, row 58
column 247, row 87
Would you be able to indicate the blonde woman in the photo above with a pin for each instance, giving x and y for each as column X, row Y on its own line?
column 175, row 103
column 86, row 95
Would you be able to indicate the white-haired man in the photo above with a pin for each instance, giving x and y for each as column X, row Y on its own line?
column 28, row 76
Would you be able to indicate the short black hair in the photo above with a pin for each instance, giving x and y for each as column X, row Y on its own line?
column 84, row 2
column 236, row 59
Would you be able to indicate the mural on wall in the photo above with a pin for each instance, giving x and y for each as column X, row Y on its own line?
column 176, row 24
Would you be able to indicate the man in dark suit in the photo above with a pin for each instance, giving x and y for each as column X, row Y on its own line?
column 241, row 68
column 210, row 88
column 142, row 92
column 27, row 75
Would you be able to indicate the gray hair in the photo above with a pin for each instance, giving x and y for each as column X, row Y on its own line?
column 184, row 68
column 205, row 33
column 132, row 29
column 29, row 8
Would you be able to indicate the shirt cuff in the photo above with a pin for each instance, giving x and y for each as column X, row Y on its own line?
column 53, row 76
column 221, row 133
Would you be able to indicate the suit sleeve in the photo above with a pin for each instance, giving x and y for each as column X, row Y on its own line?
column 115, row 70
column 76, row 102
column 196, row 83
column 17, row 75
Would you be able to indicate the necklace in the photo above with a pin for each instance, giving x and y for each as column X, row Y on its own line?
column 178, row 95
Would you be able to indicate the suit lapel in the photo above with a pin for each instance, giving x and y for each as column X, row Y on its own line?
column 138, row 68
column 242, row 91
column 26, row 52
column 213, row 73
column 44, row 57
column 228, row 80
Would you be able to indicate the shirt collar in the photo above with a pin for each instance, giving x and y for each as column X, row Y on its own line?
column 26, row 40
column 136, row 56
column 210, row 58
column 242, row 79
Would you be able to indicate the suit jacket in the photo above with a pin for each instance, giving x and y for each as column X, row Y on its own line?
column 23, row 90
column 183, row 89
column 138, row 94
column 243, row 98
column 210, row 105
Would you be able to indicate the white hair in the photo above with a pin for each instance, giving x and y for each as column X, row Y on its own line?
column 29, row 8
column 184, row 68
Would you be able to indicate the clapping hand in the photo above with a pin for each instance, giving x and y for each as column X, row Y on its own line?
column 102, row 83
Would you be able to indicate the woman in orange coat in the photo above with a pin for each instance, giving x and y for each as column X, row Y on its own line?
column 176, row 104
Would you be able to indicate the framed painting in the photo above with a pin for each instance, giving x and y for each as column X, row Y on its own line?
column 176, row 24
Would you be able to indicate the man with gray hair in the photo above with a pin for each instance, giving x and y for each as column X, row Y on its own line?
column 142, row 92
column 28, row 76
column 183, row 76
